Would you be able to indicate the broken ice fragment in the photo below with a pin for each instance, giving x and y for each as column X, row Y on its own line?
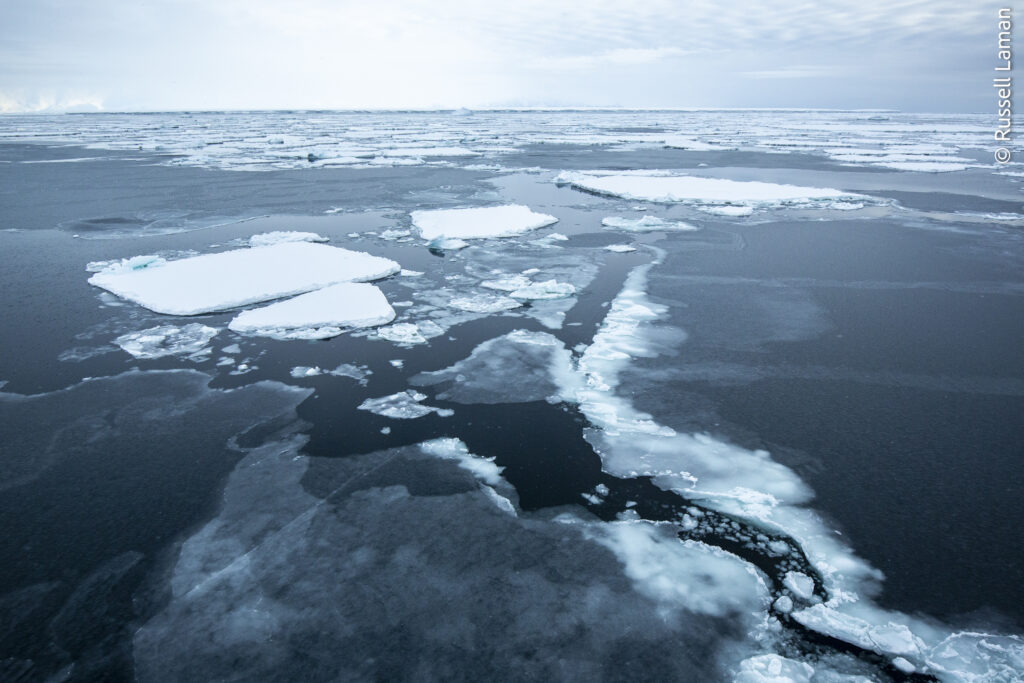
column 167, row 340
column 405, row 405
column 318, row 315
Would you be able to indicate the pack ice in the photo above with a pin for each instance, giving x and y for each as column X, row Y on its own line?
column 493, row 221
column 216, row 282
column 318, row 315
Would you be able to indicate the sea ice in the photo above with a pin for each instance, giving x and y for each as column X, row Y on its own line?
column 482, row 468
column 659, row 187
column 773, row 669
column 494, row 221
column 266, row 239
column 215, row 282
column 482, row 303
column 888, row 639
column 799, row 584
column 405, row 405
column 731, row 210
column 645, row 224
column 168, row 340
column 620, row 248
column 549, row 289
column 318, row 315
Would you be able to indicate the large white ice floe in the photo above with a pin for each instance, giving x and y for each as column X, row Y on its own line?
column 645, row 224
column 771, row 668
column 492, row 221
column 216, row 282
column 168, row 340
column 688, row 189
column 318, row 315
column 890, row 638
column 405, row 405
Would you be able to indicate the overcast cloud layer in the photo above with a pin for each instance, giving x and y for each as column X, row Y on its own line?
column 915, row 55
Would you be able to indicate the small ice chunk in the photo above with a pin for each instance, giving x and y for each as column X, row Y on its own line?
column 265, row 239
column 449, row 243
column 772, row 668
column 385, row 430
column 397, row 362
column 231, row 348
column 405, row 272
column 394, row 234
column 620, row 248
column 646, row 224
column 904, row 665
column 482, row 303
column 549, row 289
column 216, row 282
column 357, row 372
column 402, row 333
column 494, row 221
column 784, row 604
column 799, row 584
column 167, row 340
column 318, row 315
column 300, row 371
column 405, row 405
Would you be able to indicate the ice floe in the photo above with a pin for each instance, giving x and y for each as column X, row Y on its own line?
column 483, row 303
column 773, row 669
column 321, row 314
column 405, row 405
column 661, row 187
column 493, row 221
column 645, row 224
column 214, row 282
column 620, row 248
column 266, row 239
column 548, row 289
column 168, row 340
column 890, row 638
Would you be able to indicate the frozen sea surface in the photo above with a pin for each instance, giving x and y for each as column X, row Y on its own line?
column 694, row 396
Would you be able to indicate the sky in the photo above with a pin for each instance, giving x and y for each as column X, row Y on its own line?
column 158, row 55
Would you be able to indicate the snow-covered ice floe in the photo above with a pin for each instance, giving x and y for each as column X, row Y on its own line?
column 216, row 282
column 655, row 186
column 321, row 314
column 492, row 221
column 168, row 340
column 405, row 405
column 620, row 248
column 645, row 224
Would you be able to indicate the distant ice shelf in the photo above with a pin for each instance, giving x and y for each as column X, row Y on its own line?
column 492, row 221
column 216, row 282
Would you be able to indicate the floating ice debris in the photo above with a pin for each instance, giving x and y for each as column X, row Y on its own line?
column 784, row 604
column 397, row 362
column 393, row 234
column 267, row 239
column 620, row 248
column 483, row 303
column 494, row 221
column 356, row 372
column 645, row 224
column 549, row 289
column 518, row 367
column 731, row 210
column 447, row 243
column 302, row 371
column 125, row 264
column 799, row 584
column 405, row 405
column 231, row 348
column 548, row 241
column 410, row 273
column 845, row 206
column 924, row 166
column 508, row 284
column 773, row 669
column 215, row 282
column 318, row 315
column 168, row 340
column 661, row 187
column 482, row 468
column 887, row 639
column 402, row 333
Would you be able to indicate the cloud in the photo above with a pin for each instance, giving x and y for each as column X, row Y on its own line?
column 617, row 57
column 791, row 72
column 48, row 103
